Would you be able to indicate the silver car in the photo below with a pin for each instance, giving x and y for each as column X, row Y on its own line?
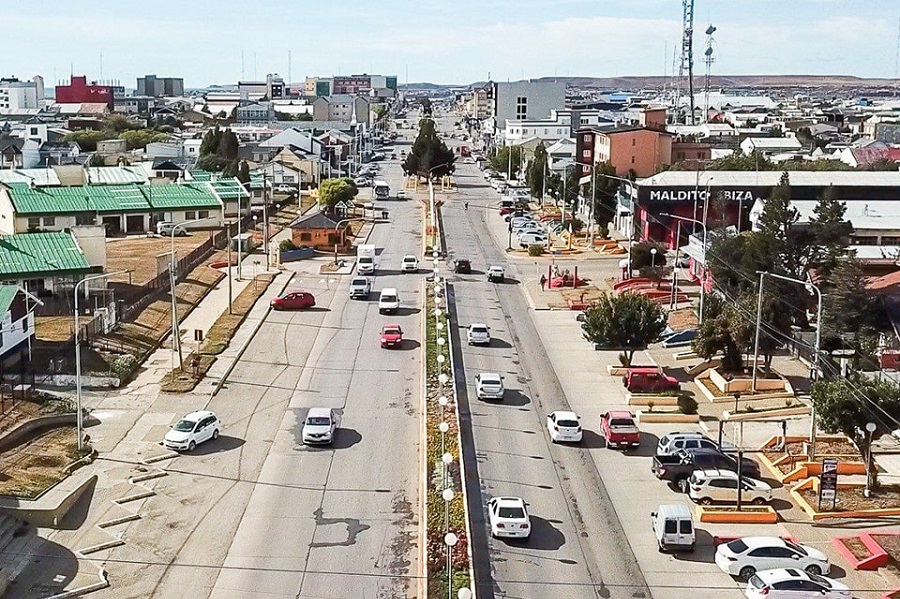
column 489, row 385
column 318, row 428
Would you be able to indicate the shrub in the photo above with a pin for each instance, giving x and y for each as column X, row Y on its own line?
column 577, row 224
column 535, row 250
column 286, row 245
column 624, row 360
column 650, row 405
column 123, row 366
column 687, row 404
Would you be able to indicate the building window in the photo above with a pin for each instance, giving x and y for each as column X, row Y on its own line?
column 633, row 142
column 203, row 214
column 34, row 130
column 587, row 137
column 288, row 178
column 890, row 240
column 190, row 215
column 632, row 160
column 305, row 236
column 586, row 154
column 34, row 222
column 521, row 108
column 49, row 221
column 84, row 219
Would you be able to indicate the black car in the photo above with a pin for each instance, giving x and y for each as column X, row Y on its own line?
column 463, row 266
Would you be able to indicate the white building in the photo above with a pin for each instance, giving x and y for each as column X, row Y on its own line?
column 16, row 95
column 770, row 145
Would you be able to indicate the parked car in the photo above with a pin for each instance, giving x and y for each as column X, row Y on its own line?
column 318, row 427
column 673, row 526
column 528, row 239
column 508, row 517
column 746, row 556
column 677, row 468
column 649, row 380
column 673, row 442
column 401, row 195
column 192, row 430
column 495, row 274
column 478, row 334
column 360, row 288
column 463, row 266
column 528, row 227
column 791, row 583
column 721, row 486
column 564, row 427
column 293, row 300
column 620, row 430
column 388, row 301
column 391, row 336
column 680, row 339
column 285, row 188
column 362, row 181
column 489, row 385
column 165, row 228
column 409, row 264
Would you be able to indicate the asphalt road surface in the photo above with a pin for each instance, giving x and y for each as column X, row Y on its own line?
column 577, row 548
column 258, row 514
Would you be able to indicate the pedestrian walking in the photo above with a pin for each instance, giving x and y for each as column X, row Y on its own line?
column 466, row 205
column 543, row 281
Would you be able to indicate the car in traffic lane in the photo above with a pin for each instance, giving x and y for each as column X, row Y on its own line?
column 192, row 430
column 293, row 300
column 478, row 334
column 319, row 426
column 564, row 427
column 489, row 385
column 391, row 336
column 508, row 517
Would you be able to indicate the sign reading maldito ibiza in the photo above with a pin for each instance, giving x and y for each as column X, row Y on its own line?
column 685, row 195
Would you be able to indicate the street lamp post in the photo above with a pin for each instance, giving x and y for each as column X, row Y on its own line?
column 703, row 272
column 870, row 429
column 79, row 419
column 176, row 338
column 653, row 257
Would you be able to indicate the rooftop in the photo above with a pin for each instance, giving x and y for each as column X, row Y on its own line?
column 727, row 179
column 38, row 253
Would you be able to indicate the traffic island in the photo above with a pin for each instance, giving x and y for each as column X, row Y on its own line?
column 719, row 386
column 851, row 502
column 757, row 514
column 445, row 501
column 789, row 461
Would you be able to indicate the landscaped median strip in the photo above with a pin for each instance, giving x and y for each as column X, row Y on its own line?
column 182, row 380
column 447, row 522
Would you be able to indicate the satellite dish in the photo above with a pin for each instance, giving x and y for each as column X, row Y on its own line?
column 710, row 30
column 709, row 51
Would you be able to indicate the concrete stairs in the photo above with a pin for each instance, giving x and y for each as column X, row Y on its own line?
column 18, row 541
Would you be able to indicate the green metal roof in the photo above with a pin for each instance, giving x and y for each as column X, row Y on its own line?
column 40, row 253
column 200, row 176
column 165, row 197
column 7, row 295
column 229, row 189
column 81, row 198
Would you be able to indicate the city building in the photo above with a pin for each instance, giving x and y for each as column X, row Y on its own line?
column 318, row 86
column 78, row 91
column 16, row 317
column 50, row 262
column 768, row 146
column 160, row 87
column 16, row 96
column 255, row 112
column 341, row 107
column 526, row 100
column 355, row 84
column 640, row 151
column 480, row 104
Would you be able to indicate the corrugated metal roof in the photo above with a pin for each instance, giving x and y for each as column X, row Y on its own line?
column 181, row 196
column 115, row 175
column 228, row 189
column 40, row 176
column 40, row 253
column 200, row 176
column 81, row 198
column 7, row 295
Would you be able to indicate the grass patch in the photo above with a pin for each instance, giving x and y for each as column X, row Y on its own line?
column 184, row 380
column 435, row 527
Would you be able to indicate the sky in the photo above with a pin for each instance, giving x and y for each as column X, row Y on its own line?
column 440, row 41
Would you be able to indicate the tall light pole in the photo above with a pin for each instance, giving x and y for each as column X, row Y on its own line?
column 79, row 420
column 815, row 367
column 176, row 338
column 703, row 274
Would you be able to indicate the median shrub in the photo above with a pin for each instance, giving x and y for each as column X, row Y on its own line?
column 687, row 404
column 535, row 250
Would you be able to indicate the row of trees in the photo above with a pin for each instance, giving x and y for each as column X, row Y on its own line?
column 118, row 126
column 757, row 161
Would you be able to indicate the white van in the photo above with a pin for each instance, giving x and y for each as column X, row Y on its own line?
column 673, row 526
column 388, row 301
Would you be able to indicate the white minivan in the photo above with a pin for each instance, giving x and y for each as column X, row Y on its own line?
column 673, row 525
column 388, row 301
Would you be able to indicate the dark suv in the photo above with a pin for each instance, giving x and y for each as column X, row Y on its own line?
column 463, row 266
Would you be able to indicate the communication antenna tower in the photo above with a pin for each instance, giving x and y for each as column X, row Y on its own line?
column 708, row 58
column 686, row 65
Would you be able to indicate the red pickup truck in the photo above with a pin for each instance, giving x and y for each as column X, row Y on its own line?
column 649, row 379
column 620, row 430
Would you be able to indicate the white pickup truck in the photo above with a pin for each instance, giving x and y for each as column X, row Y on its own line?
column 365, row 259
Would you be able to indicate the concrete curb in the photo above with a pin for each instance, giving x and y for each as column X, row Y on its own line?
column 102, row 584
column 421, row 572
column 221, row 382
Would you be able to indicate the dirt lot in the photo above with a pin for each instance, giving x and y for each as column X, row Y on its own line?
column 54, row 328
column 138, row 255
column 14, row 413
column 885, row 497
column 37, row 464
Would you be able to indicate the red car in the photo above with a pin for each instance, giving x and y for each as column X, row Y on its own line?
column 507, row 210
column 293, row 300
column 649, row 379
column 620, row 430
column 391, row 335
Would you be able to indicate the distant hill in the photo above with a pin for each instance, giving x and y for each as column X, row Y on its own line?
column 716, row 81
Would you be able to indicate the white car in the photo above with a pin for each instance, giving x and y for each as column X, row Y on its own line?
column 792, row 583
column 478, row 334
column 532, row 238
column 495, row 274
column 192, row 430
column 710, row 486
column 747, row 556
column 508, row 517
column 671, row 443
column 409, row 264
column 564, row 427
column 285, row 188
column 401, row 195
column 165, row 228
column 527, row 227
column 489, row 385
column 318, row 427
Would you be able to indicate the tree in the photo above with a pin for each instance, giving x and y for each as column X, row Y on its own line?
column 210, row 141
column 642, row 257
column 332, row 191
column 848, row 405
column 228, row 145
column 97, row 160
column 231, row 169
column 536, row 173
column 426, row 106
column 628, row 322
column 139, row 138
column 565, row 187
column 244, row 172
column 849, row 307
column 507, row 160
column 87, row 139
column 830, row 233
column 429, row 156
column 605, row 205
